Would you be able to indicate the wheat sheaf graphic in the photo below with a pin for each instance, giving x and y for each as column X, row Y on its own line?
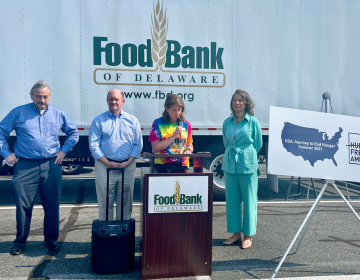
column 177, row 192
column 159, row 29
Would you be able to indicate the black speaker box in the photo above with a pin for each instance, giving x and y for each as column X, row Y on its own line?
column 113, row 246
column 113, row 242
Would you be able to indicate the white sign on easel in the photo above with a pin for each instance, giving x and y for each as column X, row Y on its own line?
column 314, row 145
column 311, row 144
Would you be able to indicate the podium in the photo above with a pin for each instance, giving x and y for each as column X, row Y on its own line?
column 176, row 221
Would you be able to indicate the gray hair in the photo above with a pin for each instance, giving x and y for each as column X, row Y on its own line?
column 39, row 84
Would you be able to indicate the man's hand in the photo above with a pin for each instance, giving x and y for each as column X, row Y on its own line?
column 12, row 159
column 187, row 152
column 59, row 157
column 127, row 163
column 112, row 164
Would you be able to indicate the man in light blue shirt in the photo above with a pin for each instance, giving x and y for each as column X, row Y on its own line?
column 37, row 160
column 115, row 140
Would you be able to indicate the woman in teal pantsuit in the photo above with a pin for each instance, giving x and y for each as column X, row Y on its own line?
column 243, row 140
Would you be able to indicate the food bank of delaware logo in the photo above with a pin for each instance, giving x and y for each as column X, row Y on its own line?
column 177, row 202
column 160, row 57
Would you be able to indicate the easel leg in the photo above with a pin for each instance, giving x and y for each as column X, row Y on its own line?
column 308, row 190
column 352, row 209
column 288, row 191
column 308, row 223
column 347, row 191
column 298, row 232
column 312, row 182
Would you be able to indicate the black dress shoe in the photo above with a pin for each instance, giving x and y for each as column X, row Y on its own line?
column 16, row 250
column 54, row 246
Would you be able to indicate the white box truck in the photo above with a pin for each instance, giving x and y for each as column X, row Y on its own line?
column 283, row 52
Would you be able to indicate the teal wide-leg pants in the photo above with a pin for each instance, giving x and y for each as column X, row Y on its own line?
column 241, row 188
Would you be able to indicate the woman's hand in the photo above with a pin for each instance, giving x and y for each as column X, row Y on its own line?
column 160, row 145
column 177, row 132
column 189, row 149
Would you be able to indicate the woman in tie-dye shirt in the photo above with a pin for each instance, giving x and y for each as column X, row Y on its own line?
column 165, row 133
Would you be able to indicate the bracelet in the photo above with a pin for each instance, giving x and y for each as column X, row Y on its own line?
column 188, row 150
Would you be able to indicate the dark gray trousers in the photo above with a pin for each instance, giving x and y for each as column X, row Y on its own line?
column 29, row 176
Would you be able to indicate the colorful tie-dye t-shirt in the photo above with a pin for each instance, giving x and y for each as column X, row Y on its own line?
column 162, row 130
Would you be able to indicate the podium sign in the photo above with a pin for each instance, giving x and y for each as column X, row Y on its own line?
column 178, row 194
column 176, row 235
column 313, row 144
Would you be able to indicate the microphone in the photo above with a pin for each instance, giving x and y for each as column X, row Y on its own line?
column 178, row 121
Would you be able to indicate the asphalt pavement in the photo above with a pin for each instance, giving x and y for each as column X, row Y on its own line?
column 330, row 249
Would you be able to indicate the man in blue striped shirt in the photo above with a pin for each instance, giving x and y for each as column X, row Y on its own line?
column 115, row 140
column 37, row 160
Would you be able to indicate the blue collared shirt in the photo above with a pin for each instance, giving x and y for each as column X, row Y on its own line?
column 242, row 143
column 115, row 137
column 37, row 135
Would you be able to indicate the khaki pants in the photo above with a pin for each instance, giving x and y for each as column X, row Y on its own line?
column 114, row 191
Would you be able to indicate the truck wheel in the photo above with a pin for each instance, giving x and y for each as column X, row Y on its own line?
column 71, row 169
column 214, row 164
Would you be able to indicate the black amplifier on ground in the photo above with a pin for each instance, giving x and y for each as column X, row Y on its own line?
column 113, row 242
column 113, row 246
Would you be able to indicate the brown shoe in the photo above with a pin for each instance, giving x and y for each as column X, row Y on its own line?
column 233, row 239
column 247, row 242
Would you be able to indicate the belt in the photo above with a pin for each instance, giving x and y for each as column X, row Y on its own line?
column 117, row 161
column 233, row 152
column 33, row 159
column 236, row 150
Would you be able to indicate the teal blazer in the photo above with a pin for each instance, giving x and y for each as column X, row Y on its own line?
column 241, row 148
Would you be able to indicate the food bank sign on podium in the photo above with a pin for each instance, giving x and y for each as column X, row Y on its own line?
column 312, row 144
column 176, row 220
column 178, row 194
